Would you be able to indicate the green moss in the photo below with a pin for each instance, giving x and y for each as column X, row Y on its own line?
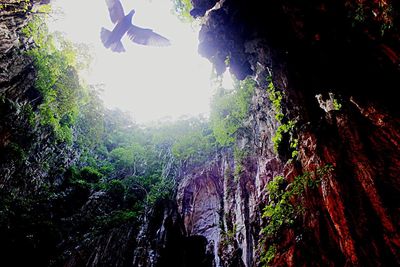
column 228, row 61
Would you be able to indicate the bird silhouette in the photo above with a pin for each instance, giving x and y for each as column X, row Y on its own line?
column 112, row 39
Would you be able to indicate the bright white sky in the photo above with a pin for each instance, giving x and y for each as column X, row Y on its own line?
column 150, row 82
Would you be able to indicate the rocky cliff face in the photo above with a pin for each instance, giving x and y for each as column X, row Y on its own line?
column 30, row 160
column 37, row 205
column 223, row 200
column 336, row 66
column 17, row 89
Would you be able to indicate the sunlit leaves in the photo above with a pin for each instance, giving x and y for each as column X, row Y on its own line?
column 229, row 109
column 282, row 210
column 182, row 9
column 190, row 140
column 56, row 63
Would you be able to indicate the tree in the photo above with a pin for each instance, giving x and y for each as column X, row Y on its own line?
column 229, row 109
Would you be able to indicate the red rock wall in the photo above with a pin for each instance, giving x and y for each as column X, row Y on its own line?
column 349, row 49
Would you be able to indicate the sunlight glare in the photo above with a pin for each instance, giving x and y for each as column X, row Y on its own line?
column 149, row 82
column 228, row 82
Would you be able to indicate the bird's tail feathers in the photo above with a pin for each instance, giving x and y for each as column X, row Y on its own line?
column 117, row 47
column 104, row 35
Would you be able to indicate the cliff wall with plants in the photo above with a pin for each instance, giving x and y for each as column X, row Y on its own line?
column 298, row 165
column 318, row 184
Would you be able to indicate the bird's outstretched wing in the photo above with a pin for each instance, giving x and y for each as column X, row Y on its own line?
column 115, row 9
column 146, row 37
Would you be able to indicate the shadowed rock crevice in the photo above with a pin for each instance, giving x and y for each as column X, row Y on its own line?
column 163, row 241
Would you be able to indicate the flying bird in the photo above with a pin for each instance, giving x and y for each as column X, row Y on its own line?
column 112, row 39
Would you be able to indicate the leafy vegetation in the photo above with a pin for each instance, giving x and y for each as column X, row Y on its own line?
column 336, row 104
column 16, row 7
column 286, row 127
column 281, row 211
column 57, row 62
column 239, row 156
column 182, row 9
column 115, row 168
column 228, row 237
column 87, row 168
column 117, row 155
column 269, row 255
column 229, row 109
column 380, row 13
column 116, row 218
column 191, row 139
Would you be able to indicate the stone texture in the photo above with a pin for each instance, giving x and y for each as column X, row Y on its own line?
column 310, row 49
column 318, row 50
column 163, row 241
column 16, row 70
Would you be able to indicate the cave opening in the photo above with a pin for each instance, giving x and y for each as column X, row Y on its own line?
column 124, row 141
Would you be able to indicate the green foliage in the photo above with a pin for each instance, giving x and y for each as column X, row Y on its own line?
column 191, row 140
column 56, row 62
column 90, row 174
column 17, row 125
column 116, row 188
column 336, row 104
column 128, row 158
column 136, row 165
column 368, row 13
column 239, row 156
column 21, row 6
column 228, row 61
column 182, row 9
column 269, row 255
column 286, row 127
column 283, row 129
column 193, row 144
column 228, row 237
column 116, row 218
column 15, row 151
column 281, row 211
column 229, row 109
column 359, row 15
column 122, row 168
column 276, row 99
column 90, row 123
column 161, row 190
column 83, row 179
